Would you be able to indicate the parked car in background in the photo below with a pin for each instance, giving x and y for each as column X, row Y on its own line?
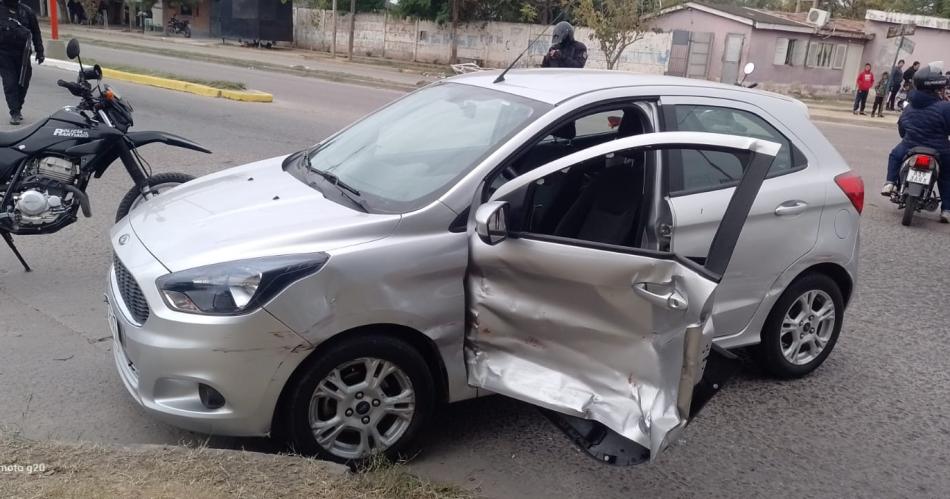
column 575, row 239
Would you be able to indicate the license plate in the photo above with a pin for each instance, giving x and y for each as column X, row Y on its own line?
column 919, row 176
column 114, row 327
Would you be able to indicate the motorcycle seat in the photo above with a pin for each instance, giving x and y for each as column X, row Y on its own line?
column 929, row 151
column 12, row 137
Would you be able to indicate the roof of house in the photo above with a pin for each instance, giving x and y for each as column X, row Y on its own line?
column 780, row 21
column 940, row 23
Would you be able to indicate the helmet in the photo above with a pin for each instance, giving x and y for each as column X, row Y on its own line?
column 563, row 33
column 930, row 78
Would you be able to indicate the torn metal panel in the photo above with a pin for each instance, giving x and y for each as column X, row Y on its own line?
column 560, row 326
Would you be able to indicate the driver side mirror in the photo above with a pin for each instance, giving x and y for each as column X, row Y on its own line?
column 72, row 49
column 491, row 222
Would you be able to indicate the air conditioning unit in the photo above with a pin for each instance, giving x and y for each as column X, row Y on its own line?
column 818, row 17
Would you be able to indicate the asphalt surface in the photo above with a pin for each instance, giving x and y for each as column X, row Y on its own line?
column 871, row 422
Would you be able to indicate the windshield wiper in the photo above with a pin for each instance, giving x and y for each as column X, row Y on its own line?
column 348, row 191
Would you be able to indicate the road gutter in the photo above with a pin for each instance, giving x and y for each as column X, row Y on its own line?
column 171, row 84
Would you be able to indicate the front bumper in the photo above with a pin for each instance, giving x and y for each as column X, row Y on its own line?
column 163, row 361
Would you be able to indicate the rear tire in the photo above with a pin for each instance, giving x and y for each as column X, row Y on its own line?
column 910, row 207
column 777, row 337
column 161, row 180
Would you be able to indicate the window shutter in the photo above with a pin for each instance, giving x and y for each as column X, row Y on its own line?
column 812, row 59
column 781, row 51
column 841, row 52
column 798, row 53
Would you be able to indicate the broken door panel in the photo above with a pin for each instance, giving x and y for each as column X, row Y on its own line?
column 607, row 333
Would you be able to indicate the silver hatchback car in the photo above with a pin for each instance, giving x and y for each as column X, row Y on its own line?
column 576, row 239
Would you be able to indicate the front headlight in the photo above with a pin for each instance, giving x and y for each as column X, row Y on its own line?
column 238, row 287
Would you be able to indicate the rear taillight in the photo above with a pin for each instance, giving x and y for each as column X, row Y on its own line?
column 853, row 187
column 922, row 162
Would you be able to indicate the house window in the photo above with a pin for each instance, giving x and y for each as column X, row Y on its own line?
column 820, row 54
column 787, row 52
column 841, row 52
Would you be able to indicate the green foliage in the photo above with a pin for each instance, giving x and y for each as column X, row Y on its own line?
column 342, row 5
column 616, row 24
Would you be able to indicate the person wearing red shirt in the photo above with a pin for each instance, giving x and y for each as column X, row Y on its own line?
column 865, row 82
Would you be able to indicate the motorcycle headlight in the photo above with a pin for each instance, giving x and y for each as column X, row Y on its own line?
column 234, row 288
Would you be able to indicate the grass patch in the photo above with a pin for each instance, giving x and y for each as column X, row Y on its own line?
column 60, row 470
column 219, row 84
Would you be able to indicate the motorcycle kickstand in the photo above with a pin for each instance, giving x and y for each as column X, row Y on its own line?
column 9, row 240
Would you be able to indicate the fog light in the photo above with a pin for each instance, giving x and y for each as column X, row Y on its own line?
column 210, row 398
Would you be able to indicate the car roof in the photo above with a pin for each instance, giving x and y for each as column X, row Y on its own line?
column 555, row 86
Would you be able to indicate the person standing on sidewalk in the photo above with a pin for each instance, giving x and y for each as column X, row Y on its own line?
column 880, row 90
column 865, row 82
column 896, row 73
column 18, row 28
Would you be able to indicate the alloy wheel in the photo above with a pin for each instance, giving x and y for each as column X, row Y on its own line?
column 807, row 327
column 361, row 407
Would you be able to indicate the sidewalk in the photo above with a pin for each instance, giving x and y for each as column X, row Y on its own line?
column 375, row 72
column 839, row 111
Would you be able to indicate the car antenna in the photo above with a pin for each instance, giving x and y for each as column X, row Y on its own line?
column 501, row 77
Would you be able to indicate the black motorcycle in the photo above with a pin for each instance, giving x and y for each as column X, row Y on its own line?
column 179, row 27
column 918, row 177
column 45, row 167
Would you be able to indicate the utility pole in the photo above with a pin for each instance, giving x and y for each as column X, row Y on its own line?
column 453, row 58
column 352, row 28
column 333, row 42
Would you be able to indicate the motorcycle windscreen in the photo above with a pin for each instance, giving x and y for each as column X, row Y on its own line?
column 561, row 327
column 613, row 334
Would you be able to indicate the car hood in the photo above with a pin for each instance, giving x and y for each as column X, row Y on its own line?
column 245, row 212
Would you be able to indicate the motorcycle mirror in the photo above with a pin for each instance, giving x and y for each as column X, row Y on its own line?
column 72, row 49
column 749, row 68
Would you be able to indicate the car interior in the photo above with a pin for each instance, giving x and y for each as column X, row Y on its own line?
column 600, row 200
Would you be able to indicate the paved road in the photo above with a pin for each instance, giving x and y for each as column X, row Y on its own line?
column 871, row 422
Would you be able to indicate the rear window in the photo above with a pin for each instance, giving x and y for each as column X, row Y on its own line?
column 692, row 172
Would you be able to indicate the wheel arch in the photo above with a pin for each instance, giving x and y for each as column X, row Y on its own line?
column 413, row 337
column 837, row 273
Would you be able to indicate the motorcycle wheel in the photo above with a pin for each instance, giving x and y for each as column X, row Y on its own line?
column 909, row 208
column 158, row 183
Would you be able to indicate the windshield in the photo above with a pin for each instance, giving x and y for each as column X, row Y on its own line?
column 409, row 153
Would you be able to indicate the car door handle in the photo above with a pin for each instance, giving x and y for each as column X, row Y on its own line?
column 672, row 300
column 790, row 208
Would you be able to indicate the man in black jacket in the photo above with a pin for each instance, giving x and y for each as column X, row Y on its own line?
column 565, row 51
column 18, row 28
column 909, row 74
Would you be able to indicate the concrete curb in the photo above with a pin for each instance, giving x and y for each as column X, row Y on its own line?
column 170, row 84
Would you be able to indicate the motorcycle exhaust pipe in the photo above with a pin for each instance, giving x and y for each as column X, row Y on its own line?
column 83, row 200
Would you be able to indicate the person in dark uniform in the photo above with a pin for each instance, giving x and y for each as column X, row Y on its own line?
column 18, row 28
column 565, row 51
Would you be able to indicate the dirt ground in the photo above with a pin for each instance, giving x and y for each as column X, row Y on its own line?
column 49, row 469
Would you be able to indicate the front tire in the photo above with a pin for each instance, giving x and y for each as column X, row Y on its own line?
column 158, row 183
column 363, row 396
column 910, row 206
column 803, row 327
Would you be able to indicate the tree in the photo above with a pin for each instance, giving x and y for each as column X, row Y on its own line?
column 617, row 24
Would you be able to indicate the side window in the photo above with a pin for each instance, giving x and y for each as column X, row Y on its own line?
column 599, row 126
column 692, row 171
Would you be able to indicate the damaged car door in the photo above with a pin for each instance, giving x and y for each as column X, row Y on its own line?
column 575, row 316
